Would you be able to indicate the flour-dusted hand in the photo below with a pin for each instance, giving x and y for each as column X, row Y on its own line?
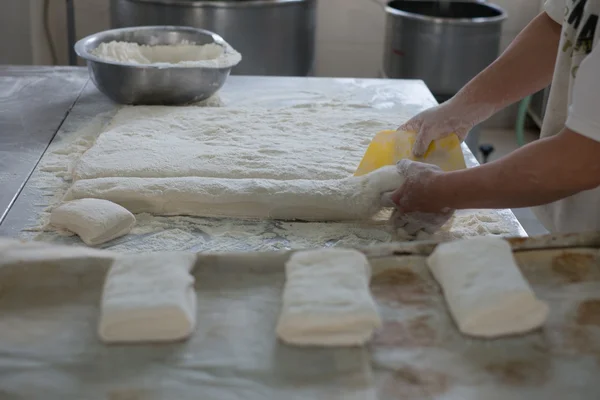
column 416, row 222
column 416, row 208
column 441, row 121
column 414, row 194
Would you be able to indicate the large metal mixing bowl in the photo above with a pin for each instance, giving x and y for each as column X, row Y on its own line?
column 153, row 84
column 276, row 37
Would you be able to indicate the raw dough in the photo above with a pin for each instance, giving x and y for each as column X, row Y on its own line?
column 292, row 143
column 486, row 293
column 96, row 221
column 327, row 300
column 352, row 198
column 185, row 54
column 149, row 298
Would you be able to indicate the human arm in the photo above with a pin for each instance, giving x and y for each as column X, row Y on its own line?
column 524, row 68
column 539, row 173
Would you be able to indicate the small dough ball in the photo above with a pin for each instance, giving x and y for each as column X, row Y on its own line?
column 95, row 221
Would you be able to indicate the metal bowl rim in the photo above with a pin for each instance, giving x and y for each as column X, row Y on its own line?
column 223, row 4
column 80, row 46
column 451, row 21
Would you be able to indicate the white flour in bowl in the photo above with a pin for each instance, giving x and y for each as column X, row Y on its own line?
column 185, row 54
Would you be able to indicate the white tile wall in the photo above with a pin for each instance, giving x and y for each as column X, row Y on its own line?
column 90, row 15
column 15, row 35
column 349, row 38
column 520, row 13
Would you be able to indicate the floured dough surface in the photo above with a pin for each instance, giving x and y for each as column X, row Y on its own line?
column 293, row 163
column 484, row 288
column 353, row 198
column 94, row 220
column 148, row 298
column 283, row 144
column 327, row 300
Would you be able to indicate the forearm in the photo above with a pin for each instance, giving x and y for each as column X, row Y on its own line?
column 524, row 68
column 539, row 173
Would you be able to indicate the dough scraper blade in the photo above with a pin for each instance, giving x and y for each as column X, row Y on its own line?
column 389, row 147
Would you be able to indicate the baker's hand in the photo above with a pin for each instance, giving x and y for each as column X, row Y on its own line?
column 438, row 122
column 414, row 223
column 416, row 209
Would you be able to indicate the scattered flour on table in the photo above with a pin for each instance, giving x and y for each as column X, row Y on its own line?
column 280, row 144
column 476, row 223
column 53, row 176
column 218, row 235
column 185, row 54
column 471, row 223
column 222, row 235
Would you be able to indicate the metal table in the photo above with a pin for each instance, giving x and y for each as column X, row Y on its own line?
column 36, row 103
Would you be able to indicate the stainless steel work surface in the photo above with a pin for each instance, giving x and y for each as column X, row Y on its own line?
column 49, row 346
column 34, row 101
column 392, row 97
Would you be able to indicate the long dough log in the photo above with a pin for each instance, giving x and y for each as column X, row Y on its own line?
column 352, row 198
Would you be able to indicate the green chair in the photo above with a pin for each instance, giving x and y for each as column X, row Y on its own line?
column 521, row 118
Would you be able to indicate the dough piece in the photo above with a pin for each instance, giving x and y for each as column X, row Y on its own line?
column 149, row 298
column 234, row 143
column 486, row 293
column 95, row 221
column 353, row 198
column 327, row 300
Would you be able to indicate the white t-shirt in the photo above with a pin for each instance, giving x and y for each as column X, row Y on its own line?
column 574, row 101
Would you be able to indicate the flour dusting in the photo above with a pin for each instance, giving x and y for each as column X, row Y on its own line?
column 53, row 176
column 228, row 142
column 224, row 235
column 302, row 139
column 185, row 54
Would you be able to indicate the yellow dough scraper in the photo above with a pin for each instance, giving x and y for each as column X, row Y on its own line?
column 389, row 147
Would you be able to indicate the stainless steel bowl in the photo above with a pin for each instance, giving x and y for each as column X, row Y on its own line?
column 127, row 83
column 276, row 37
